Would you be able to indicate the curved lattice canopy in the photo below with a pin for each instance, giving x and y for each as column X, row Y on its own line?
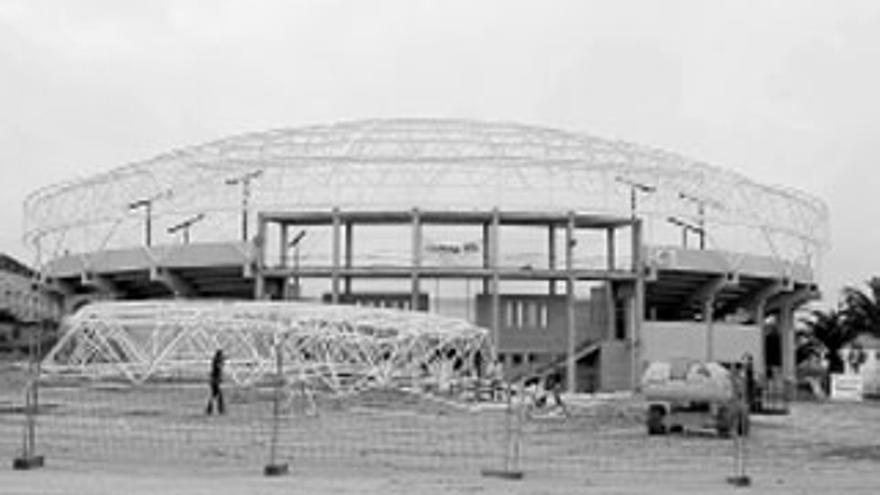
column 341, row 347
column 428, row 164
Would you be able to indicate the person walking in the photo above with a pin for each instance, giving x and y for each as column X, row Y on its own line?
column 749, row 383
column 553, row 385
column 216, row 379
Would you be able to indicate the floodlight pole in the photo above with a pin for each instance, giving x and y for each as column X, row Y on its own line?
column 701, row 215
column 185, row 225
column 147, row 205
column 245, row 181
column 685, row 227
column 634, row 188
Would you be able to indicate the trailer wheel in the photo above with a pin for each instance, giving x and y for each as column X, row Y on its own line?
column 724, row 422
column 655, row 420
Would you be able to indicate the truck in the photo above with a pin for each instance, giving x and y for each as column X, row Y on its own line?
column 687, row 395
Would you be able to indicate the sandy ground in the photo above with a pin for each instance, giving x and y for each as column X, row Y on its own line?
column 158, row 440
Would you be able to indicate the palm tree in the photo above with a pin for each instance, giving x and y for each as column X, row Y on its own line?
column 862, row 308
column 826, row 331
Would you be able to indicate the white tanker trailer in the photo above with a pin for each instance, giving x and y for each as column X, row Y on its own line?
column 686, row 395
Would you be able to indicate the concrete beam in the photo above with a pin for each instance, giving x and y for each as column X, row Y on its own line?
column 174, row 282
column 101, row 284
column 760, row 298
column 711, row 288
column 58, row 286
column 793, row 298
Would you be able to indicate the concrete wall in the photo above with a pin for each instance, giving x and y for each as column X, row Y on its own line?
column 537, row 323
column 396, row 300
column 533, row 331
column 614, row 366
column 662, row 340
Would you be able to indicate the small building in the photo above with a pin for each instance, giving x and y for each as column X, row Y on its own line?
column 23, row 306
column 862, row 358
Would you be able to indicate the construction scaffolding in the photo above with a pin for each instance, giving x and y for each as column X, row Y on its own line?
column 429, row 164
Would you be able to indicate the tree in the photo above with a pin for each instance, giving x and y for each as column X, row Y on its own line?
column 862, row 308
column 7, row 316
column 826, row 331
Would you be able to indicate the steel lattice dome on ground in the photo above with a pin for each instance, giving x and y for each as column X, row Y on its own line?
column 428, row 164
column 340, row 348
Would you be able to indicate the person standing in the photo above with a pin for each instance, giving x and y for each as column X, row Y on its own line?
column 750, row 384
column 216, row 379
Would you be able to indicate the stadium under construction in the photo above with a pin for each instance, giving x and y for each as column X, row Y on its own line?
column 578, row 255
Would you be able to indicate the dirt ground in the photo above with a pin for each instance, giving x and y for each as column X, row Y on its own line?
column 157, row 440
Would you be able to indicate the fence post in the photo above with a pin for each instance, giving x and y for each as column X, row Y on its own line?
column 510, row 469
column 741, row 427
column 274, row 468
column 739, row 477
column 28, row 458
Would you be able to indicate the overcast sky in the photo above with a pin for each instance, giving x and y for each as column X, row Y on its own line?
column 782, row 91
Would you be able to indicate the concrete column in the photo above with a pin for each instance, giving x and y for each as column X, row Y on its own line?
column 610, row 310
column 709, row 317
column 282, row 245
column 757, row 304
column 282, row 251
column 706, row 296
column 260, row 241
column 486, row 255
column 760, row 316
column 349, row 241
column 259, row 287
column 610, row 247
column 416, row 254
column 638, row 310
column 786, row 333
column 628, row 296
column 494, row 261
column 571, row 363
column 551, row 256
column 337, row 251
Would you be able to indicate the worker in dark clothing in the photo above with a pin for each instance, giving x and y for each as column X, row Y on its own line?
column 216, row 379
column 750, row 384
column 554, row 388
